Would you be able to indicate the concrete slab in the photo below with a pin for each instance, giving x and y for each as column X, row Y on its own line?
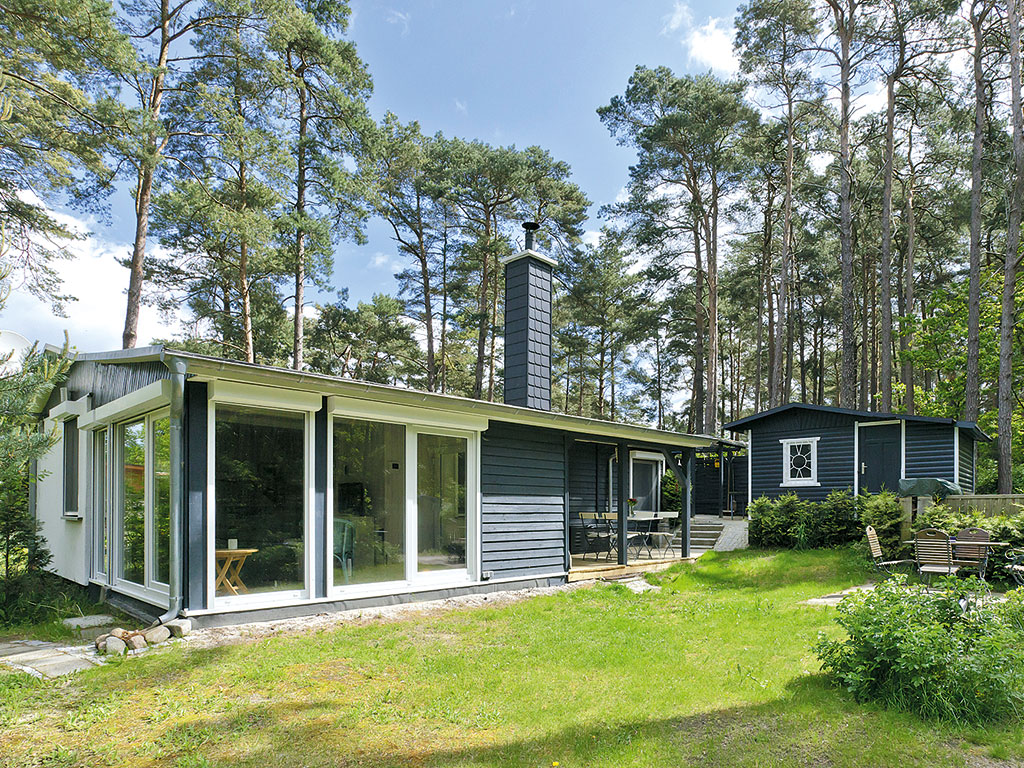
column 62, row 664
column 28, row 658
column 84, row 622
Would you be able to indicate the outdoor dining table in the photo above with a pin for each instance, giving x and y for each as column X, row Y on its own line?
column 987, row 544
column 229, row 569
column 647, row 538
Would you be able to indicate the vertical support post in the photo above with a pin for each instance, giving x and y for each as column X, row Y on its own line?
column 721, row 481
column 566, row 443
column 689, row 500
column 194, row 519
column 321, row 557
column 622, row 480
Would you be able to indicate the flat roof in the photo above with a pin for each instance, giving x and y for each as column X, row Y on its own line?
column 740, row 425
column 205, row 367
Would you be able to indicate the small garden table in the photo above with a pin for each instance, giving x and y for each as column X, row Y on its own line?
column 229, row 569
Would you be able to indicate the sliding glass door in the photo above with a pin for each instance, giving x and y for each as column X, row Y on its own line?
column 441, row 502
column 403, row 504
column 259, row 537
column 368, row 521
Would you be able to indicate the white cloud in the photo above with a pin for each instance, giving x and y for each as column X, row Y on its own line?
column 388, row 261
column 707, row 45
column 460, row 107
column 399, row 19
column 592, row 237
column 96, row 318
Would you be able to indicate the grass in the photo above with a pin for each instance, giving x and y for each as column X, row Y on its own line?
column 714, row 668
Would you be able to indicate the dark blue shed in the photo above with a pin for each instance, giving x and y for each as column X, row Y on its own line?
column 811, row 450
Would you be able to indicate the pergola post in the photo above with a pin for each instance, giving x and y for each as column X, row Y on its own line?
column 622, row 481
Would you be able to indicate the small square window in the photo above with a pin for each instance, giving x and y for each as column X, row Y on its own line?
column 800, row 462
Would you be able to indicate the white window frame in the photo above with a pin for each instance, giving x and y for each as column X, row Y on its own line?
column 99, row 504
column 787, row 480
column 416, row 422
column 150, row 590
column 148, row 403
column 633, row 456
column 272, row 399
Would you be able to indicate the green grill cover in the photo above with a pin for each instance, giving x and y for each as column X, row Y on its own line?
column 928, row 486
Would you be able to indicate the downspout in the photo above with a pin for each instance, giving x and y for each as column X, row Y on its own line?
column 177, row 367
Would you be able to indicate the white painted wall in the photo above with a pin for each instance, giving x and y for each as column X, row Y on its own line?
column 66, row 538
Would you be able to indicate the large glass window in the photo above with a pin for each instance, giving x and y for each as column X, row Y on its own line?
column 133, row 502
column 101, row 519
column 161, row 464
column 646, row 476
column 441, row 502
column 260, row 483
column 369, row 502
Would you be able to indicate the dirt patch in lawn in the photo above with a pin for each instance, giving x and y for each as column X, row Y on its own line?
column 246, row 633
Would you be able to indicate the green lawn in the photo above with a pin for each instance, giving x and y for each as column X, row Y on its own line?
column 715, row 669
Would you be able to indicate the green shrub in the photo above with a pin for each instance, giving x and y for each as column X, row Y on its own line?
column 931, row 653
column 774, row 522
column 791, row 523
column 884, row 512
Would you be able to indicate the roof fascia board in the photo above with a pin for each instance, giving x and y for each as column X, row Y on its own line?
column 201, row 368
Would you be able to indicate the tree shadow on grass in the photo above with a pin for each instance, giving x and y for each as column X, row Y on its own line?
column 811, row 724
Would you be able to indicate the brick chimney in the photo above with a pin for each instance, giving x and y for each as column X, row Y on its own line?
column 528, row 326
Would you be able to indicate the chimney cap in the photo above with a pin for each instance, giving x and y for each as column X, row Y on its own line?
column 531, row 226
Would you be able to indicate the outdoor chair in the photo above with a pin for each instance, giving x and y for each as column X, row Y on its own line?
column 1015, row 566
column 933, row 551
column 887, row 567
column 344, row 546
column 598, row 533
column 967, row 554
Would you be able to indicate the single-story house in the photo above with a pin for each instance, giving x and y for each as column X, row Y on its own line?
column 187, row 485
column 811, row 450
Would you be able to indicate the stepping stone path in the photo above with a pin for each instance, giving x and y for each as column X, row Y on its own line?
column 42, row 659
column 837, row 597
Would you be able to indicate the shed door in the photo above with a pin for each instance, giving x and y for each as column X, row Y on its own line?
column 879, row 457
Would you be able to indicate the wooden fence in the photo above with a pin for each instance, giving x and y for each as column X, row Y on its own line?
column 990, row 504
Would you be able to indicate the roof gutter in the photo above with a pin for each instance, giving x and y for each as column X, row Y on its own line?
column 177, row 366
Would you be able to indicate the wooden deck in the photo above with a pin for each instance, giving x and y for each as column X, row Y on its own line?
column 584, row 570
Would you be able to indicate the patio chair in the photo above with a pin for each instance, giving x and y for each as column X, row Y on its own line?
column 598, row 533
column 1015, row 566
column 933, row 551
column 967, row 554
column 884, row 566
column 344, row 546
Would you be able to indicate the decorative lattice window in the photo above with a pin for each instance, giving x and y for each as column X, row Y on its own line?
column 800, row 461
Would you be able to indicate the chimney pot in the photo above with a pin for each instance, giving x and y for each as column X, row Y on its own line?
column 530, row 227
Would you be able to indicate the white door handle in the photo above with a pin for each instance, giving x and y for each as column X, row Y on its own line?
column 863, row 467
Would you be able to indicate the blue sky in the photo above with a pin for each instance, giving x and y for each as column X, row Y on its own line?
column 522, row 73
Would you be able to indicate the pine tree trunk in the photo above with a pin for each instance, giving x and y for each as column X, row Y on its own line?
column 698, row 344
column 907, row 340
column 144, row 190
column 885, row 257
column 782, row 325
column 300, row 232
column 1007, row 316
column 972, row 394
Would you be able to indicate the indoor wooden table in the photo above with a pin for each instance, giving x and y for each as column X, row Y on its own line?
column 229, row 569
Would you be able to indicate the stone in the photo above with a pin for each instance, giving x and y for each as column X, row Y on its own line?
column 119, row 632
column 116, row 646
column 101, row 640
column 84, row 622
column 101, row 647
column 135, row 642
column 179, row 627
column 156, row 634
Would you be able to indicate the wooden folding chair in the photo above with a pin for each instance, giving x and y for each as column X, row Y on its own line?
column 884, row 566
column 933, row 551
column 967, row 554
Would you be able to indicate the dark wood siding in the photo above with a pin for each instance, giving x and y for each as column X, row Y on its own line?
column 109, row 382
column 835, row 452
column 522, row 484
column 588, row 485
column 929, row 450
column 966, row 481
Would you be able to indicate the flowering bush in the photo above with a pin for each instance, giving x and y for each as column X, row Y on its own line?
column 937, row 653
